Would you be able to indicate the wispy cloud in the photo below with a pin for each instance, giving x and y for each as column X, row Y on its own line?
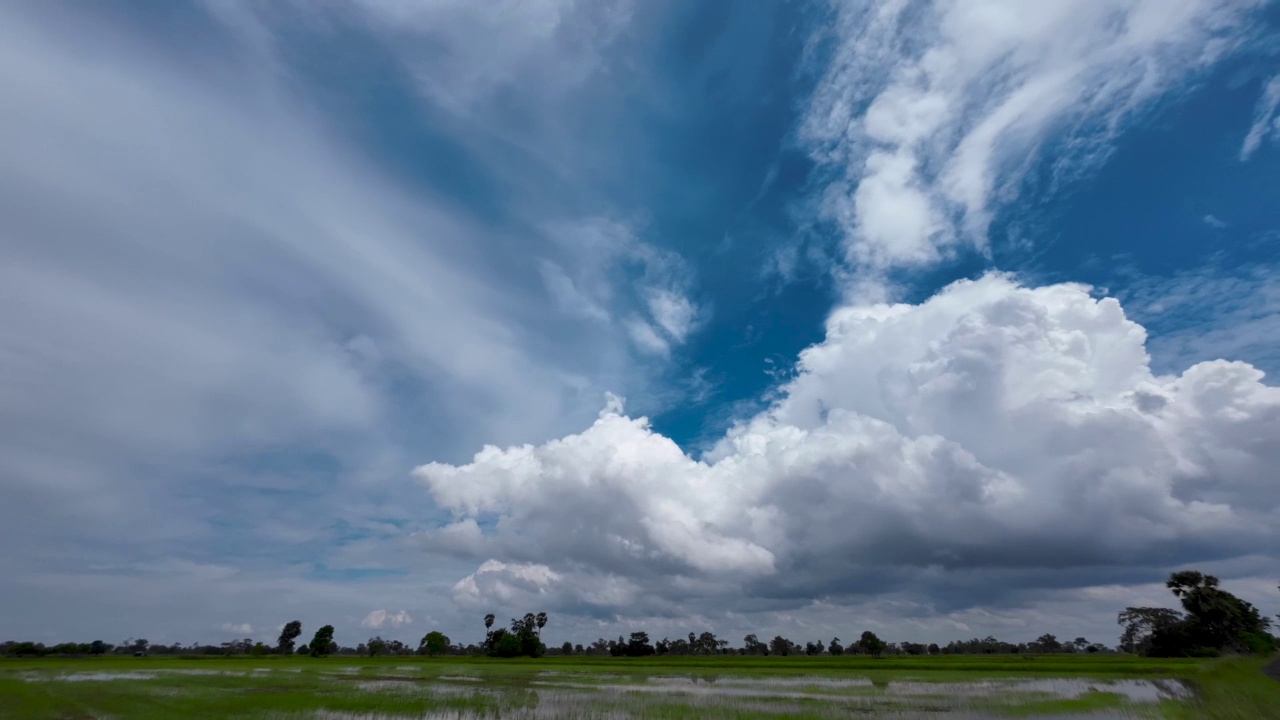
column 1266, row 119
column 463, row 53
column 618, row 276
column 1213, row 311
column 930, row 114
column 221, row 312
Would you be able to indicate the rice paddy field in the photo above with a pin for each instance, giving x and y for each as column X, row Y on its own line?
column 400, row 688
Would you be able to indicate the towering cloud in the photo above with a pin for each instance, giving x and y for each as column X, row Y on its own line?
column 995, row 428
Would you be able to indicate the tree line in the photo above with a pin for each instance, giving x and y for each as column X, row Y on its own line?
column 322, row 644
column 1212, row 622
column 868, row 643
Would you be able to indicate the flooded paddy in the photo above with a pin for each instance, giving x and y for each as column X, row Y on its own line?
column 367, row 689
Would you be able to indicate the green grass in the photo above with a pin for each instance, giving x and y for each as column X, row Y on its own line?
column 1231, row 689
column 1090, row 702
column 722, row 687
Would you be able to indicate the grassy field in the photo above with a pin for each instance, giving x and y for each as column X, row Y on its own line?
column 949, row 687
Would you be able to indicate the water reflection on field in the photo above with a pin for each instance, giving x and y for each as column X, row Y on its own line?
column 440, row 693
column 584, row 695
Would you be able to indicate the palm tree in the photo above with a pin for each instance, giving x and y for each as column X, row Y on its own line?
column 541, row 621
column 488, row 621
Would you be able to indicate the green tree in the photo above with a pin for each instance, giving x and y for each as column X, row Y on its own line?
column 638, row 645
column 780, row 646
column 321, row 641
column 1215, row 621
column 1047, row 644
column 521, row 640
column 376, row 646
column 97, row 647
column 288, row 634
column 870, row 644
column 434, row 643
column 1144, row 626
column 506, row 645
column 541, row 622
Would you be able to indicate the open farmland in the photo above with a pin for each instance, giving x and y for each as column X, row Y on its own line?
column 739, row 688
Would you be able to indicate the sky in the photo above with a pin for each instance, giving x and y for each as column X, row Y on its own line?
column 939, row 319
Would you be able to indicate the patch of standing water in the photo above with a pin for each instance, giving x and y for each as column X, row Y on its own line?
column 388, row 685
column 1138, row 691
column 1064, row 688
column 91, row 677
column 881, row 698
column 826, row 683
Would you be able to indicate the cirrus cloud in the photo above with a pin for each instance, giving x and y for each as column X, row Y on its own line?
column 930, row 114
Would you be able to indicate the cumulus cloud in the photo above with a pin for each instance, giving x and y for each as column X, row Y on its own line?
column 1266, row 120
column 378, row 619
column 237, row 628
column 929, row 114
column 993, row 431
column 502, row 581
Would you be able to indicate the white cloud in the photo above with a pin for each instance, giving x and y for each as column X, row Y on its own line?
column 464, row 52
column 244, row 629
column 501, row 581
column 994, row 430
column 568, row 296
column 1266, row 120
column 672, row 312
column 1214, row 222
column 210, row 288
column 618, row 274
column 647, row 339
column 1211, row 311
column 378, row 619
column 930, row 113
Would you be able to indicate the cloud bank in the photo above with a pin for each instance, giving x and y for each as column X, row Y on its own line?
column 993, row 431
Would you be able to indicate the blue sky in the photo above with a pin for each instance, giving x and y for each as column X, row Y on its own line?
column 276, row 273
